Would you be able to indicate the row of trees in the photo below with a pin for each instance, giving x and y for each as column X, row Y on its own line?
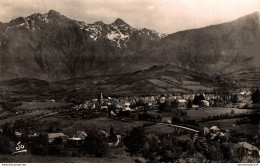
column 252, row 119
column 229, row 116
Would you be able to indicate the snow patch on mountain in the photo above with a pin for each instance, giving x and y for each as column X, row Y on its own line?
column 45, row 19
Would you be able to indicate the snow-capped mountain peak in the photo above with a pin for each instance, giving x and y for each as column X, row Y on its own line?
column 119, row 33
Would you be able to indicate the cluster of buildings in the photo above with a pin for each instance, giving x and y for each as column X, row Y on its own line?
column 183, row 101
column 79, row 138
column 122, row 103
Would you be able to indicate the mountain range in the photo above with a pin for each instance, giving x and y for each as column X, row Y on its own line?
column 53, row 47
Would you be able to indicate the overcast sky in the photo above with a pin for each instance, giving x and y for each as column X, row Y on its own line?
column 165, row 16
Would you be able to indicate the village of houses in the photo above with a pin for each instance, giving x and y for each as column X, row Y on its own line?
column 180, row 114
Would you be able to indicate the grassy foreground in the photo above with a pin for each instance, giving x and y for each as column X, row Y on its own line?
column 52, row 159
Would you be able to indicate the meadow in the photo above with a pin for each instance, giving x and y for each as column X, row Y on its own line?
column 122, row 158
column 230, row 124
column 26, row 116
column 210, row 111
column 72, row 125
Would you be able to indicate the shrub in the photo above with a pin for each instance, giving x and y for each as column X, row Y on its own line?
column 38, row 150
column 54, row 150
column 240, row 153
column 213, row 152
column 176, row 120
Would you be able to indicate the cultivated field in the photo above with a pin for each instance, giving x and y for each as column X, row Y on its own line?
column 41, row 105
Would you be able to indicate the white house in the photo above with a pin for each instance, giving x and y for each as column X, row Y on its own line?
column 52, row 101
column 204, row 103
column 78, row 138
column 127, row 107
column 214, row 129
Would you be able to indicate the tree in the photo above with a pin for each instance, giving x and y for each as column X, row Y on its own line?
column 5, row 130
column 174, row 104
column 4, row 145
column 201, row 97
column 240, row 153
column 189, row 104
column 167, row 151
column 43, row 139
column 112, row 137
column 255, row 96
column 171, row 148
column 50, row 130
column 161, row 107
column 226, row 151
column 8, row 130
column 151, row 148
column 111, row 130
column 214, row 152
column 196, row 100
column 96, row 143
column 234, row 98
column 232, row 112
column 176, row 120
column 135, row 140
column 188, row 146
column 39, row 145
